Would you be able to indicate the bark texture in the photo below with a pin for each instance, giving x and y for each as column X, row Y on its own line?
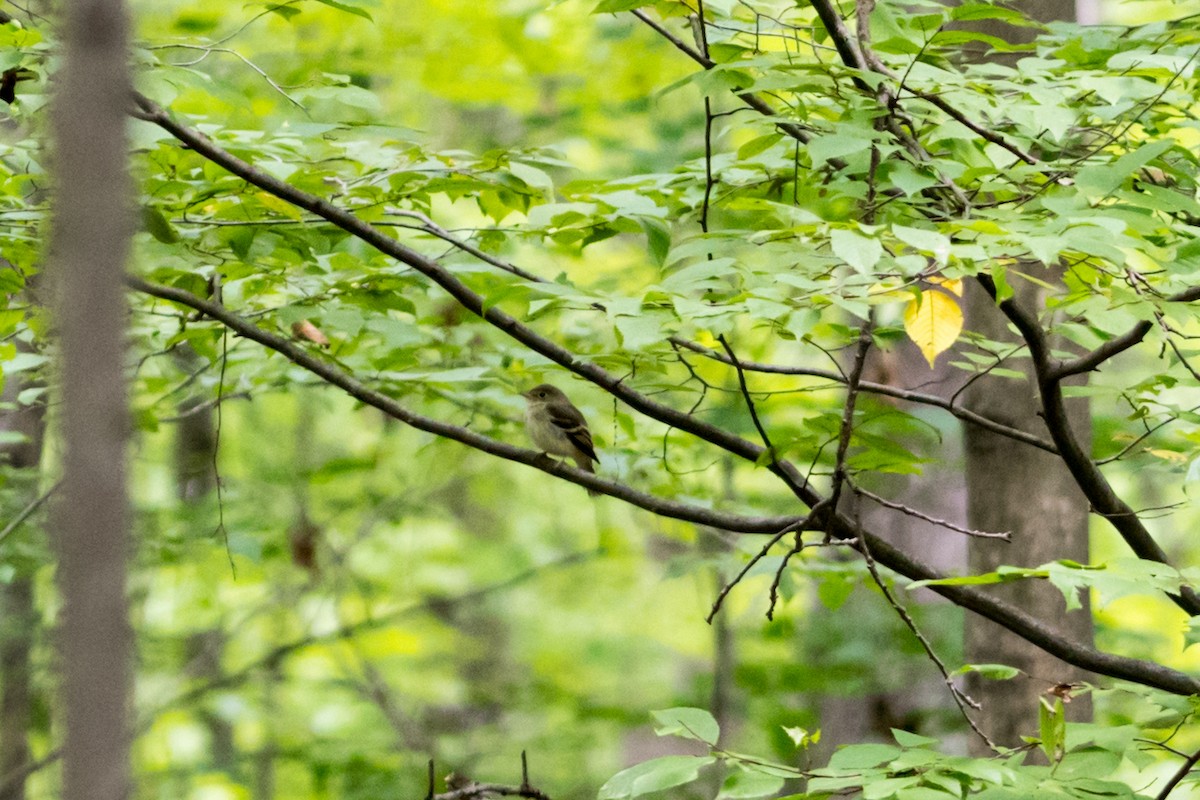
column 1026, row 491
column 1017, row 488
column 89, row 246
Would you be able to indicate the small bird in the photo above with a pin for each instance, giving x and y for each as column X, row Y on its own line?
column 558, row 427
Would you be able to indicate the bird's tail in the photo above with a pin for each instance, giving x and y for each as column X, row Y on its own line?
column 585, row 464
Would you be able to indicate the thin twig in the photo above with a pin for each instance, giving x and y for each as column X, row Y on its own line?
column 762, row 553
column 750, row 406
column 429, row 226
column 25, row 513
column 941, row 523
column 961, row 698
column 847, row 427
column 1179, row 775
column 966, row 415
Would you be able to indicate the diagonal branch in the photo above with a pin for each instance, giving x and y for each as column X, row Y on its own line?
column 1090, row 479
column 150, row 111
column 847, row 428
column 1118, row 344
column 331, row 374
column 749, row 98
column 1015, row 619
column 965, row 414
column 1049, row 375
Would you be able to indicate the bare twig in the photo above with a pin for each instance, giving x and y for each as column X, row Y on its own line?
column 961, row 698
column 847, row 427
column 965, row 414
column 25, row 513
column 1179, row 775
column 750, row 405
column 941, row 523
column 752, row 100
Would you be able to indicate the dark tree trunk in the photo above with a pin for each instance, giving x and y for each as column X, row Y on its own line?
column 17, row 610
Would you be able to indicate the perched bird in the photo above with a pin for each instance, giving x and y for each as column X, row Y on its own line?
column 558, row 427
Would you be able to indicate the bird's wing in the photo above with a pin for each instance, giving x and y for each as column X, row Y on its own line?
column 571, row 422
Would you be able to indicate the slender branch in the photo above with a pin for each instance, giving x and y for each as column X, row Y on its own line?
column 759, row 556
column 1118, row 344
column 150, row 111
column 480, row 790
column 429, row 226
column 750, row 405
column 847, row 427
column 25, row 513
column 965, row 414
column 1090, row 479
column 1179, row 775
column 1033, row 630
column 752, row 100
column 961, row 698
column 1011, row 617
column 941, row 523
column 333, row 375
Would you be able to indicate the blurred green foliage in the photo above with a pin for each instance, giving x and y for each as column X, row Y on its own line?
column 359, row 598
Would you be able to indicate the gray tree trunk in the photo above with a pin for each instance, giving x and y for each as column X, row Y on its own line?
column 1017, row 488
column 89, row 246
column 1026, row 491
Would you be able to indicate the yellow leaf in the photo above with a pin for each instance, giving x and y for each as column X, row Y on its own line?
column 933, row 319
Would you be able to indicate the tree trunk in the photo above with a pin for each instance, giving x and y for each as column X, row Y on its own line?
column 89, row 245
column 1018, row 488
column 18, row 620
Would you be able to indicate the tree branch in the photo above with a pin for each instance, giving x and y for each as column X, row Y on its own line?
column 965, row 414
column 1099, row 492
column 1024, row 625
column 1119, row 344
column 1021, row 623
column 1179, row 775
column 333, row 375
column 150, row 111
column 749, row 98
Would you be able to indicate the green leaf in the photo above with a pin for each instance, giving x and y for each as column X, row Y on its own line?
column 614, row 6
column 157, row 225
column 653, row 776
column 907, row 739
column 996, row 672
column 926, row 241
column 743, row 784
column 1103, row 180
column 285, row 11
column 688, row 723
column 860, row 756
column 349, row 9
column 658, row 238
column 1052, row 726
column 758, row 145
column 860, row 252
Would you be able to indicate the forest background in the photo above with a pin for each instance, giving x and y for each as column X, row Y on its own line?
column 755, row 239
